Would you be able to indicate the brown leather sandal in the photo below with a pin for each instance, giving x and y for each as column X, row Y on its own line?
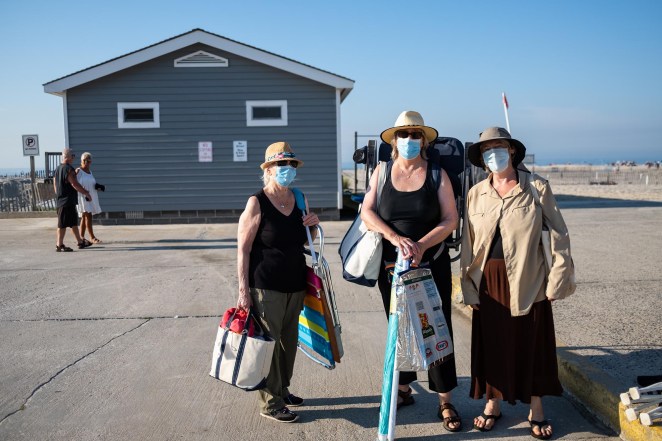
column 84, row 243
column 407, row 399
column 451, row 419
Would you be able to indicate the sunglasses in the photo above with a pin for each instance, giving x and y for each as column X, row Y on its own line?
column 406, row 134
column 294, row 164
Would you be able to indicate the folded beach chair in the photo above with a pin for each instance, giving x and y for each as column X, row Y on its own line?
column 319, row 326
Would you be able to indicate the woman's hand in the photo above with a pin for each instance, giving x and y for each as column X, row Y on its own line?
column 310, row 220
column 408, row 247
column 244, row 301
column 417, row 258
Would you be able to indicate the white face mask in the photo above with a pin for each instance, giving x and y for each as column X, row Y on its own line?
column 497, row 159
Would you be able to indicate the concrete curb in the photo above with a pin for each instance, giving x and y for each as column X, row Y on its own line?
column 593, row 388
column 635, row 431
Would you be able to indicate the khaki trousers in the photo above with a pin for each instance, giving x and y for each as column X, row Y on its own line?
column 279, row 315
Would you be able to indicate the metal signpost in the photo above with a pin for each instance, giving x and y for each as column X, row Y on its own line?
column 31, row 149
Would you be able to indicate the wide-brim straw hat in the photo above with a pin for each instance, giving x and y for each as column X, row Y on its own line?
column 409, row 120
column 492, row 133
column 279, row 151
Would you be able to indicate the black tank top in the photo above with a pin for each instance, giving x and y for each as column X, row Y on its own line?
column 66, row 194
column 411, row 214
column 276, row 260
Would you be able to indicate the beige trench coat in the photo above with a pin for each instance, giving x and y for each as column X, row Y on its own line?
column 520, row 220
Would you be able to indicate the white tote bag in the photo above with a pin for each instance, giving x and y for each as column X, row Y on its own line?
column 240, row 360
column 361, row 254
column 361, row 249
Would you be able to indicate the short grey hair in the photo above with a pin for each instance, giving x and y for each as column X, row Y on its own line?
column 65, row 153
column 86, row 155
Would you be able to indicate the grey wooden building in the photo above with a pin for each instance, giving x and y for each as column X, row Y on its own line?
column 178, row 129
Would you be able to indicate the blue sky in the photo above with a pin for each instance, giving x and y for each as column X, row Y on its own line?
column 582, row 77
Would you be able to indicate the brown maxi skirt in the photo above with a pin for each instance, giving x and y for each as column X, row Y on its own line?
column 512, row 358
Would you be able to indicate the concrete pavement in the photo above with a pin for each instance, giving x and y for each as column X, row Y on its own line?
column 114, row 342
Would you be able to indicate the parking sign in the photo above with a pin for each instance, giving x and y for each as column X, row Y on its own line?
column 30, row 145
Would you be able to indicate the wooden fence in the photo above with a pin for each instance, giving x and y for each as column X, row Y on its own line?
column 556, row 175
column 22, row 195
column 577, row 175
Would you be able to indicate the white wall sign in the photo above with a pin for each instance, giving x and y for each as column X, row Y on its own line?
column 205, row 151
column 30, row 145
column 240, row 151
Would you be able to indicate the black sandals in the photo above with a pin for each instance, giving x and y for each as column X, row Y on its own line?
column 539, row 425
column 487, row 418
column 451, row 419
column 407, row 399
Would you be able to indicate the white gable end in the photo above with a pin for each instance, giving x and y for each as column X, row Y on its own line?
column 58, row 87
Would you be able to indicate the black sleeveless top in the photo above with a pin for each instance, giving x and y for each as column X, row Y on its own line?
column 66, row 193
column 277, row 261
column 411, row 214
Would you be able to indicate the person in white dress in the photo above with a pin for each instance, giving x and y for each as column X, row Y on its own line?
column 91, row 207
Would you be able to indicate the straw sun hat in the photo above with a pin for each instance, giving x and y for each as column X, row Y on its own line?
column 492, row 133
column 279, row 151
column 409, row 120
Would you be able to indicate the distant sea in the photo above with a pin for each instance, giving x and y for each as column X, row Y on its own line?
column 14, row 171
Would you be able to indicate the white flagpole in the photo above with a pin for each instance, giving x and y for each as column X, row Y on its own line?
column 505, row 109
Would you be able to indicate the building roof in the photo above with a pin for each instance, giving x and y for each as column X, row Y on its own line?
column 60, row 85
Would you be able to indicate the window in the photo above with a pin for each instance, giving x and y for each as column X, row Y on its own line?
column 138, row 116
column 266, row 113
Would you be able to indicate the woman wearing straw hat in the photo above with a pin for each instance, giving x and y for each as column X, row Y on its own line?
column 272, row 272
column 415, row 216
column 506, row 282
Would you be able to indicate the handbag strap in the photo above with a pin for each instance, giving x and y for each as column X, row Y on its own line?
column 249, row 317
column 534, row 192
column 384, row 167
column 301, row 203
column 259, row 329
column 536, row 199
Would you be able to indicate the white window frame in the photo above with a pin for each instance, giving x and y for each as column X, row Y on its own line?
column 282, row 121
column 138, row 125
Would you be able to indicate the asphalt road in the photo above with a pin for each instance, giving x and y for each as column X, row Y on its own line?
column 114, row 342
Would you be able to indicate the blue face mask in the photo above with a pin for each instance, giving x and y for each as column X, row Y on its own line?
column 496, row 159
column 409, row 148
column 285, row 175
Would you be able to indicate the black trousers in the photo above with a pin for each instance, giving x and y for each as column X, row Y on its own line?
column 441, row 378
